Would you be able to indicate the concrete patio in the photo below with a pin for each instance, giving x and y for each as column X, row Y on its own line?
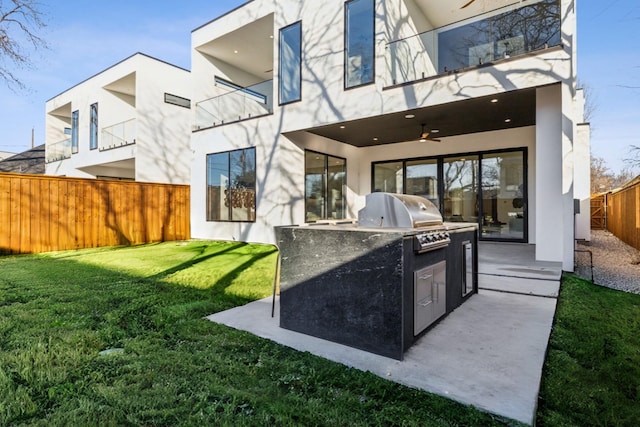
column 488, row 353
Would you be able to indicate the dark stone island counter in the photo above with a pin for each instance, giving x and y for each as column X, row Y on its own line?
column 355, row 286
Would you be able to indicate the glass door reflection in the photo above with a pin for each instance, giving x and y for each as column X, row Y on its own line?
column 460, row 183
column 503, row 196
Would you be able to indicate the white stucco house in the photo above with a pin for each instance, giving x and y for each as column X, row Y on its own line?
column 131, row 121
column 301, row 108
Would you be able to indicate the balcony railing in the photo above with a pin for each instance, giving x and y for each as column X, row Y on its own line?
column 236, row 105
column 118, row 135
column 59, row 151
column 482, row 39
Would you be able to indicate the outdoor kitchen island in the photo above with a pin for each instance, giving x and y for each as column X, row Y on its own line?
column 378, row 289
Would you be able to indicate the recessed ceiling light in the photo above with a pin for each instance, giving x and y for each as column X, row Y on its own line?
column 435, row 130
column 271, row 36
column 235, row 51
column 494, row 100
column 342, row 126
column 409, row 116
column 507, row 120
column 375, row 139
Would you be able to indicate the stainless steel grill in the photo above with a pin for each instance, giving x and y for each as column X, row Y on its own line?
column 390, row 210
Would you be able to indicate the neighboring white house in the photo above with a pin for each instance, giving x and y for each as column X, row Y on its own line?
column 301, row 108
column 131, row 121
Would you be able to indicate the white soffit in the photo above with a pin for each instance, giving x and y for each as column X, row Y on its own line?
column 249, row 48
column 441, row 13
column 126, row 85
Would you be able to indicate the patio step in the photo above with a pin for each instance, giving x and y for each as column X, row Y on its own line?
column 519, row 285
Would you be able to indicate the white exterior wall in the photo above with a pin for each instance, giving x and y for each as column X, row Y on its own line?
column 164, row 130
column 280, row 158
column 161, row 152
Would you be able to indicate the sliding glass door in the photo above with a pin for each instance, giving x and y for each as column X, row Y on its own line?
column 460, row 196
column 486, row 188
column 503, row 198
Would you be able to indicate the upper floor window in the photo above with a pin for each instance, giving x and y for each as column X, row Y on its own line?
column 359, row 55
column 177, row 100
column 231, row 185
column 93, row 127
column 290, row 63
column 74, row 132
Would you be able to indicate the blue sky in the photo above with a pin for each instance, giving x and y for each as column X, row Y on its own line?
column 87, row 37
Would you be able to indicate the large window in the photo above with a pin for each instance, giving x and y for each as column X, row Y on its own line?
column 231, row 186
column 74, row 132
column 503, row 195
column 359, row 43
column 290, row 63
column 460, row 193
column 325, row 181
column 93, row 127
column 487, row 188
column 512, row 33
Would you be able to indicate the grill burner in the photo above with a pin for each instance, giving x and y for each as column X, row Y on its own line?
column 389, row 210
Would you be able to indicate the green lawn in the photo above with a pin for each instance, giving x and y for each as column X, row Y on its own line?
column 592, row 371
column 165, row 365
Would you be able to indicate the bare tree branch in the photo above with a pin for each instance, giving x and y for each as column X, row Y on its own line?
column 20, row 23
column 634, row 159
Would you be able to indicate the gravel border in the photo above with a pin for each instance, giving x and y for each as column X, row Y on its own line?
column 616, row 265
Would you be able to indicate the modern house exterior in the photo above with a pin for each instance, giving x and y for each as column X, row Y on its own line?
column 130, row 121
column 302, row 108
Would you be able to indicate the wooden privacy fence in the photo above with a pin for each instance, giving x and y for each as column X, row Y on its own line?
column 623, row 214
column 43, row 213
column 598, row 217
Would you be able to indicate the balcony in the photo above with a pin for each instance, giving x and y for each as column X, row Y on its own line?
column 118, row 135
column 57, row 151
column 235, row 105
column 478, row 41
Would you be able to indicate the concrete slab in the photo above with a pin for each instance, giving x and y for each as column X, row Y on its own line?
column 536, row 287
column 515, row 260
column 488, row 353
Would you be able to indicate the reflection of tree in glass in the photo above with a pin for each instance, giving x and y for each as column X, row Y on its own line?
column 508, row 34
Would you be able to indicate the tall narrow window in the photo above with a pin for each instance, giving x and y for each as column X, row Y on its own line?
column 74, row 132
column 290, row 63
column 359, row 44
column 503, row 195
column 231, row 186
column 460, row 185
column 325, row 181
column 93, row 127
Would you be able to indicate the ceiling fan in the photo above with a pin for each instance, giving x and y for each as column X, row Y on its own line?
column 424, row 136
column 467, row 4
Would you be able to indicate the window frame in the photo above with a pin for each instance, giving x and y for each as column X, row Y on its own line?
column 229, row 153
column 325, row 177
column 93, row 126
column 75, row 121
column 481, row 154
column 297, row 24
column 346, row 45
column 176, row 100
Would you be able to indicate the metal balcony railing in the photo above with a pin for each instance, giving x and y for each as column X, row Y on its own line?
column 118, row 135
column 58, row 151
column 236, row 105
column 483, row 39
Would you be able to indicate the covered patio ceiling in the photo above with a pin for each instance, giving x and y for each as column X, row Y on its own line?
column 496, row 112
